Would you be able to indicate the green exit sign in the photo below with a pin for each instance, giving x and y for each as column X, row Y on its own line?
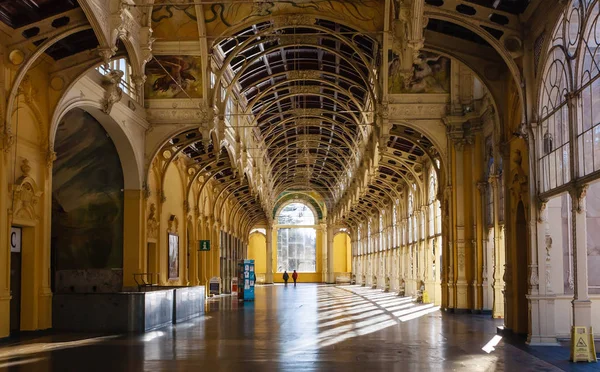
column 204, row 245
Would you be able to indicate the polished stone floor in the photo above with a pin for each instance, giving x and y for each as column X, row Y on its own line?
column 303, row 328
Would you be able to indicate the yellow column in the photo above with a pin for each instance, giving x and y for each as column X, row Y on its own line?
column 133, row 241
column 193, row 249
column 459, row 249
column 478, row 219
column 4, row 251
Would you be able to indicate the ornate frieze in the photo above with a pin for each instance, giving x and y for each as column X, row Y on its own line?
column 417, row 111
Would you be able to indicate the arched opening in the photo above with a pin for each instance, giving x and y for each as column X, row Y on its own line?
column 87, row 208
column 296, row 239
column 521, row 265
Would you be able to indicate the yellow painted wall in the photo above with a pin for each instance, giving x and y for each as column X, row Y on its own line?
column 341, row 253
column 257, row 251
column 173, row 205
column 30, row 127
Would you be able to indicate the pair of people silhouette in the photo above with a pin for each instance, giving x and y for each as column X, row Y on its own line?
column 286, row 277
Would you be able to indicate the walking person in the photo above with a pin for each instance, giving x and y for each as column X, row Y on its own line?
column 295, row 277
column 286, row 276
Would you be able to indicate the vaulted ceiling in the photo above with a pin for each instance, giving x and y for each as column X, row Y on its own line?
column 310, row 93
column 33, row 18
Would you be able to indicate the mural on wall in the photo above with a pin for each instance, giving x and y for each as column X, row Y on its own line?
column 178, row 22
column 174, row 77
column 173, row 256
column 430, row 74
column 366, row 14
column 87, row 207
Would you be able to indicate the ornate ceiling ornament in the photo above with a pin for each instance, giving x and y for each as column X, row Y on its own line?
column 294, row 20
column 304, row 74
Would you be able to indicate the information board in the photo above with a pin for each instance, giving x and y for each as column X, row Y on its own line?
column 214, row 286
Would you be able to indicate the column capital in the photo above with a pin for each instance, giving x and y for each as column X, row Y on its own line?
column 541, row 204
column 482, row 186
column 578, row 194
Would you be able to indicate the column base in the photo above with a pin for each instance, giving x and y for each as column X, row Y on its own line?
column 582, row 313
column 4, row 315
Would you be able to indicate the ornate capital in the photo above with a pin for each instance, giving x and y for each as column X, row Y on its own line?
column 542, row 204
column 578, row 197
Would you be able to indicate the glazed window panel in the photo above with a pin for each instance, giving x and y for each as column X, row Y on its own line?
column 296, row 250
column 438, row 217
column 588, row 138
column 555, row 150
column 296, row 214
column 593, row 236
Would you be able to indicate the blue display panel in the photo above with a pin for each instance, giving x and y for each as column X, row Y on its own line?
column 247, row 280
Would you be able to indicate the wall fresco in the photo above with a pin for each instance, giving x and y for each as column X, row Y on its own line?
column 174, row 77
column 87, row 206
column 364, row 14
column 174, row 22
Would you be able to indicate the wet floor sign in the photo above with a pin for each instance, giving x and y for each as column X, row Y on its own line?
column 582, row 345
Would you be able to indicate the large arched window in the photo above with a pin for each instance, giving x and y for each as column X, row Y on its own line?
column 571, row 72
column 296, row 246
column 410, row 217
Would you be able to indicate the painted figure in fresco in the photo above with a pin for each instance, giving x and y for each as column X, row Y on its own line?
column 286, row 277
column 295, row 277
column 174, row 74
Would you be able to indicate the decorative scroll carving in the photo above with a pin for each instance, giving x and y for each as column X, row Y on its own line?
column 152, row 223
column 294, row 20
column 112, row 92
column 305, row 89
column 542, row 204
column 533, row 277
column 548, row 263
column 304, row 74
column 579, row 198
column 173, row 224
column 26, row 195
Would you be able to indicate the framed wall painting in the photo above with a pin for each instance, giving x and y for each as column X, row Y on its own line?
column 173, row 256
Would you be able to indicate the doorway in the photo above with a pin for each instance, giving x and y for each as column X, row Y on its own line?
column 15, row 279
column 521, row 264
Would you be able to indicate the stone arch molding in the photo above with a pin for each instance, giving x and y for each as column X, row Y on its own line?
column 26, row 195
column 129, row 143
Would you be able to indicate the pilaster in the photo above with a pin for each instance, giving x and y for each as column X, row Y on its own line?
column 133, row 236
column 330, row 258
column 269, row 238
column 582, row 306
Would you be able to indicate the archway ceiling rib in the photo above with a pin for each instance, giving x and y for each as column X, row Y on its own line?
column 308, row 92
column 401, row 165
column 205, row 162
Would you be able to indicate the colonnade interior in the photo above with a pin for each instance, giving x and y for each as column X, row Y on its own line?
column 438, row 146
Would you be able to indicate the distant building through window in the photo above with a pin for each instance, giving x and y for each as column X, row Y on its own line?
column 296, row 246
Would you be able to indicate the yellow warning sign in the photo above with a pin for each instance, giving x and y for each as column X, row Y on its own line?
column 582, row 345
